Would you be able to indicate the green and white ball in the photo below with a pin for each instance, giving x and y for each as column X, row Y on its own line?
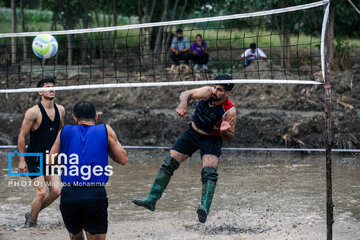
column 45, row 46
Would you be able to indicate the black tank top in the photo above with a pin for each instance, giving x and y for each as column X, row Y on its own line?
column 44, row 137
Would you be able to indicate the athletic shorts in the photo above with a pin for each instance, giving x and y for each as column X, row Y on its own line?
column 84, row 208
column 33, row 165
column 190, row 141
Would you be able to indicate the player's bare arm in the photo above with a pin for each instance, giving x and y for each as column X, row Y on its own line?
column 197, row 93
column 28, row 124
column 228, row 126
column 55, row 150
column 62, row 115
column 115, row 150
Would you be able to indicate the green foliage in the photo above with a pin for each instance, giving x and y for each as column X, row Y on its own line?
column 342, row 46
column 31, row 15
column 347, row 21
column 342, row 54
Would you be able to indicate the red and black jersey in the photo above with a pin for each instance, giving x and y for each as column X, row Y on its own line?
column 208, row 117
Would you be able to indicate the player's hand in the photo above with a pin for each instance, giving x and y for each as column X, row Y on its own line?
column 22, row 168
column 226, row 125
column 181, row 110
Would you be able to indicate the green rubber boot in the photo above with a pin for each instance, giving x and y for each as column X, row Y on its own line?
column 160, row 183
column 207, row 195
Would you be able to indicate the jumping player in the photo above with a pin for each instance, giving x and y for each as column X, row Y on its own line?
column 42, row 121
column 213, row 121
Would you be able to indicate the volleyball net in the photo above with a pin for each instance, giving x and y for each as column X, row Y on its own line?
column 291, row 41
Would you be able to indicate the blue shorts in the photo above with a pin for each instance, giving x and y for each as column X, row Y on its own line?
column 84, row 208
column 190, row 141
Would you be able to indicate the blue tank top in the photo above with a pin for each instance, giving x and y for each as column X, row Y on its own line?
column 208, row 117
column 90, row 144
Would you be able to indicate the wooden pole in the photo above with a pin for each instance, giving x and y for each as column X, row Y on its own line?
column 328, row 141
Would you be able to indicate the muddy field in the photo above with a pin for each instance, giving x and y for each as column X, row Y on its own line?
column 258, row 196
column 269, row 115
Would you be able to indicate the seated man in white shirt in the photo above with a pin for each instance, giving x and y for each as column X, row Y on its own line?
column 252, row 53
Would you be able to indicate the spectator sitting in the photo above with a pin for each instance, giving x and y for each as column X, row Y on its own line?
column 252, row 53
column 199, row 52
column 180, row 48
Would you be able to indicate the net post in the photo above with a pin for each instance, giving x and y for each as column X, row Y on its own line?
column 328, row 140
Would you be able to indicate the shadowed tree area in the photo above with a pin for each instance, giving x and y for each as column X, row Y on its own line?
column 76, row 14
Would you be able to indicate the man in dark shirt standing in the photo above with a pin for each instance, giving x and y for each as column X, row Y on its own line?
column 42, row 121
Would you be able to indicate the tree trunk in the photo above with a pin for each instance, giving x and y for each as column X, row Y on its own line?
column 108, row 33
column 160, row 29
column 104, row 18
column 84, row 42
column 23, row 29
column 287, row 49
column 286, row 43
column 148, row 31
column 115, row 24
column 69, row 48
column 183, row 10
column 141, row 45
column 278, row 23
column 14, row 30
column 152, row 11
column 99, row 37
column 53, row 24
column 165, row 48
column 97, row 19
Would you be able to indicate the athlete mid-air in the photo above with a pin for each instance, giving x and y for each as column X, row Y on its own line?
column 213, row 121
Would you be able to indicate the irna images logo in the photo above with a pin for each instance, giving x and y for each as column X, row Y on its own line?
column 65, row 165
column 39, row 157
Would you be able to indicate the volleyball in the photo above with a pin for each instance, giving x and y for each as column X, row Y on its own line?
column 45, row 46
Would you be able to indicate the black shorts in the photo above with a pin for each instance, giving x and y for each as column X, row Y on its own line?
column 190, row 141
column 84, row 208
column 33, row 165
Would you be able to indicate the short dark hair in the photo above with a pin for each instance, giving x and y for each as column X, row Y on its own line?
column 227, row 86
column 179, row 30
column 253, row 45
column 199, row 35
column 84, row 110
column 45, row 80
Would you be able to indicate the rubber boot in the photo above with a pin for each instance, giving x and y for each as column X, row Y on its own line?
column 156, row 191
column 160, row 183
column 209, row 178
column 208, row 190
